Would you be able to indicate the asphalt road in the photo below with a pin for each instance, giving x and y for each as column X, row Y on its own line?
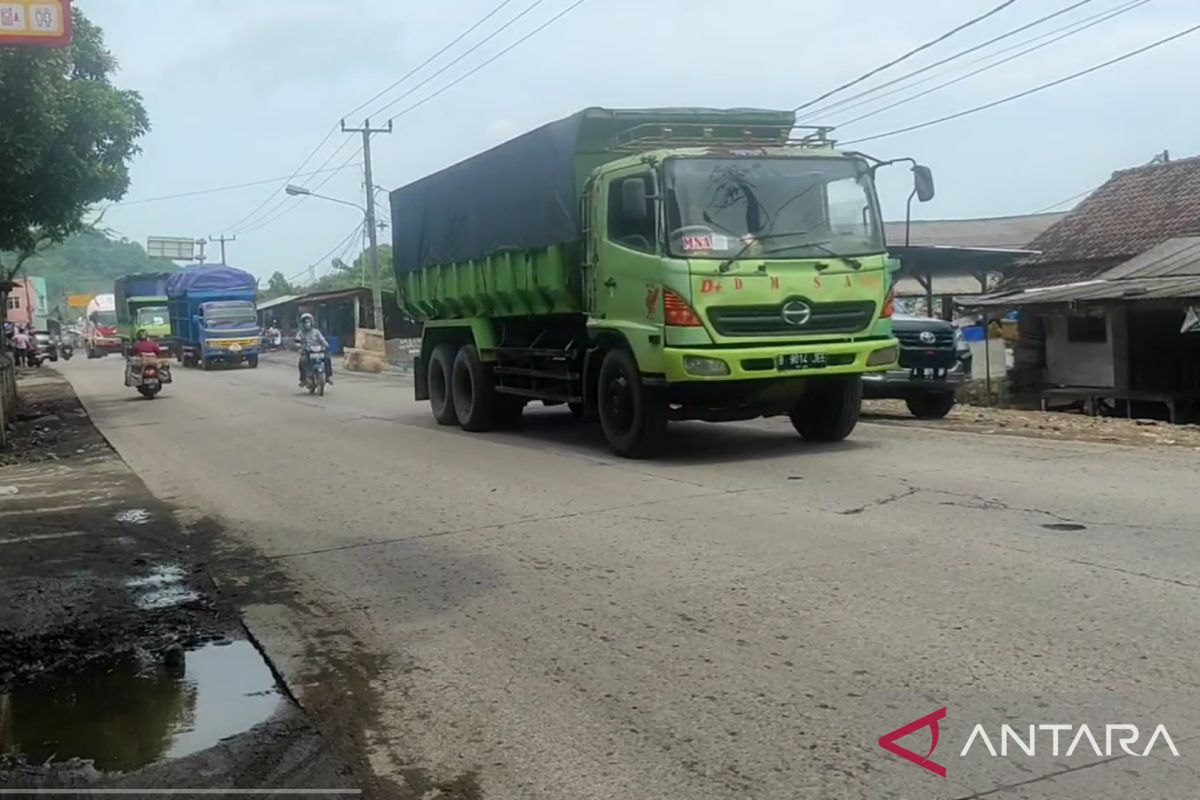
column 741, row 619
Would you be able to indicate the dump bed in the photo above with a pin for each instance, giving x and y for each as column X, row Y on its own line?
column 498, row 234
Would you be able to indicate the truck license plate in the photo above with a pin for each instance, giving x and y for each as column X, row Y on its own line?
column 803, row 361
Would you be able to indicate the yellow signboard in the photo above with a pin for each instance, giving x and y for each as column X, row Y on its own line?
column 79, row 300
column 36, row 22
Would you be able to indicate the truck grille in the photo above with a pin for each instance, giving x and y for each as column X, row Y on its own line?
column 842, row 317
column 913, row 339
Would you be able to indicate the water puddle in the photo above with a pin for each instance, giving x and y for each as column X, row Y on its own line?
column 133, row 516
column 124, row 714
column 162, row 588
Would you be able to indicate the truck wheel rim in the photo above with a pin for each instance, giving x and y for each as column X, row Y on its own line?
column 620, row 403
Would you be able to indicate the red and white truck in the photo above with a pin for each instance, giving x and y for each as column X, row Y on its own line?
column 100, row 336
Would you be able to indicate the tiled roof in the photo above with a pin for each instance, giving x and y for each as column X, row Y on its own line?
column 1004, row 232
column 1133, row 211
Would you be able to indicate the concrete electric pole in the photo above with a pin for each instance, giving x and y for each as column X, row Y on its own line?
column 376, row 285
column 222, row 239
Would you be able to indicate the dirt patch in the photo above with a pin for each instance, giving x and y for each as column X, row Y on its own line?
column 121, row 665
column 1042, row 425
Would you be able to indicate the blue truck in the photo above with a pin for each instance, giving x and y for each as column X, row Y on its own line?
column 213, row 316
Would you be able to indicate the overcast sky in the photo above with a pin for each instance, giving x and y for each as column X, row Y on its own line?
column 243, row 90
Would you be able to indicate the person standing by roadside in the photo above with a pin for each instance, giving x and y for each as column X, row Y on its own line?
column 21, row 344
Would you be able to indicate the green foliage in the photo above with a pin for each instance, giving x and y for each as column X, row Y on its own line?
column 277, row 286
column 66, row 141
column 88, row 263
column 348, row 276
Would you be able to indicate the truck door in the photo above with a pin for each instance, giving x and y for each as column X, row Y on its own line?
column 628, row 272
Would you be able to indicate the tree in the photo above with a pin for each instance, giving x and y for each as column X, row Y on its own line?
column 278, row 286
column 66, row 142
column 89, row 262
column 357, row 273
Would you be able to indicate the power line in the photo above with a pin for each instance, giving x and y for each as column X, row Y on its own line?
column 1028, row 92
column 333, row 129
column 429, row 60
column 946, row 60
column 471, row 72
column 337, row 247
column 279, row 211
column 1001, row 51
column 290, row 178
column 907, row 55
column 216, row 189
column 270, row 213
column 993, row 65
column 466, row 53
column 1062, row 202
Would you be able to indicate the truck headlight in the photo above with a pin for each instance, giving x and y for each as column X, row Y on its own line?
column 887, row 355
column 708, row 367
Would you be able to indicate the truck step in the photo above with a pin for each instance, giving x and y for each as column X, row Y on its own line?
column 527, row 372
column 554, row 397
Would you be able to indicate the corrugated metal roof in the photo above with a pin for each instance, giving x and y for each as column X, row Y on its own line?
column 1178, row 256
column 278, row 301
column 1002, row 232
column 1129, row 289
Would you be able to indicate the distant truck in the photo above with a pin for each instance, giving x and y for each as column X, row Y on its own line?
column 141, row 304
column 100, row 335
column 213, row 316
column 643, row 266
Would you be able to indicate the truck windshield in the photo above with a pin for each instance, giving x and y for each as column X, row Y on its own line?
column 152, row 316
column 771, row 208
column 105, row 319
column 229, row 316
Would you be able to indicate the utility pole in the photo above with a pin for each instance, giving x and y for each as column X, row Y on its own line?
column 223, row 239
column 376, row 285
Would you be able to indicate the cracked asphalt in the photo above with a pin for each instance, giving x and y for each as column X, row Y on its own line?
column 523, row 614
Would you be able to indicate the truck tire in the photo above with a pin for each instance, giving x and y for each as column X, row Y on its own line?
column 252, row 362
column 828, row 410
column 633, row 416
column 930, row 405
column 441, row 399
column 473, row 391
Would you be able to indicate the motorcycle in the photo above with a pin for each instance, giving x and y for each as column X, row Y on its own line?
column 147, row 374
column 66, row 350
column 272, row 339
column 314, row 370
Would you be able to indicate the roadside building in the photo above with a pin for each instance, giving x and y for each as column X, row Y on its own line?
column 1108, row 307
column 27, row 302
column 338, row 313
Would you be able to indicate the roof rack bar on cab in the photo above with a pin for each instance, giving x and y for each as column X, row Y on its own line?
column 653, row 135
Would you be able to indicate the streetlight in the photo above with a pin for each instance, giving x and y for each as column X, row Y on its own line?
column 376, row 287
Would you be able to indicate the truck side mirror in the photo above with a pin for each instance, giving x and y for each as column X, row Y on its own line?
column 923, row 182
column 633, row 200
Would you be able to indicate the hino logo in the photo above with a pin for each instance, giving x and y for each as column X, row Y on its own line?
column 797, row 313
column 928, row 337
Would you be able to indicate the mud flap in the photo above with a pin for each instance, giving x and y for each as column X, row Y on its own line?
column 420, row 380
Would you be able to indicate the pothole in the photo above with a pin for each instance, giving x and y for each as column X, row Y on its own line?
column 1064, row 526
column 124, row 713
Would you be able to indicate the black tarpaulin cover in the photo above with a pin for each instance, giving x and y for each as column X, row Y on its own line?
column 524, row 194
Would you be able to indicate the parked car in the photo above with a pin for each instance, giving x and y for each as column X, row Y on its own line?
column 935, row 361
column 46, row 346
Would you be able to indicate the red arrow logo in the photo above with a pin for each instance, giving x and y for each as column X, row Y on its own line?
column 888, row 741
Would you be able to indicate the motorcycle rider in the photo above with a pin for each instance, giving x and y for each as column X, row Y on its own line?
column 145, row 346
column 310, row 335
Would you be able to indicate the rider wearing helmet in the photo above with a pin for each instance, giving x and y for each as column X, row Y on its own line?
column 310, row 335
column 145, row 346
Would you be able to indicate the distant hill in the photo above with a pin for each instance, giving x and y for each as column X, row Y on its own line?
column 88, row 263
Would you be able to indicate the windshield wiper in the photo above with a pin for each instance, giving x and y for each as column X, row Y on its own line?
column 849, row 261
column 755, row 239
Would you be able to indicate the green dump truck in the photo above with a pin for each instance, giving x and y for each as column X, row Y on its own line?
column 643, row 266
column 141, row 304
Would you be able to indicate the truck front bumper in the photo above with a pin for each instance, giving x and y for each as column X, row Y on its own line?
column 716, row 365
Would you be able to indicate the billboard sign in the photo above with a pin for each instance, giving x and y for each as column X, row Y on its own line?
column 79, row 300
column 35, row 22
column 176, row 248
